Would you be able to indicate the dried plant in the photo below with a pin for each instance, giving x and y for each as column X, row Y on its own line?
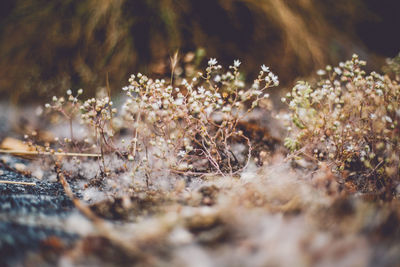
column 188, row 124
column 194, row 121
column 350, row 120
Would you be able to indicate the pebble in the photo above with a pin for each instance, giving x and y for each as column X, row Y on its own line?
column 38, row 173
column 20, row 167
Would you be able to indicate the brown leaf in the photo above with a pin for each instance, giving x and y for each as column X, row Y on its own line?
column 13, row 144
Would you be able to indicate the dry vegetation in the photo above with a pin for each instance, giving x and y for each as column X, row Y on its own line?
column 192, row 164
column 88, row 40
column 321, row 204
column 187, row 124
column 350, row 121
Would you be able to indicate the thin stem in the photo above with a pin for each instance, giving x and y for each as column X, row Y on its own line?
column 19, row 183
column 23, row 152
column 70, row 129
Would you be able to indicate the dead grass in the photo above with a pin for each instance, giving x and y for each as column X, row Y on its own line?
column 46, row 47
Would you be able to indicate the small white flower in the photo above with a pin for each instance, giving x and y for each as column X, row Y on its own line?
column 236, row 63
column 239, row 84
column 212, row 62
column 388, row 119
column 69, row 92
column 265, row 68
column 181, row 153
column 379, row 84
column 321, row 72
column 178, row 101
column 372, row 116
column 338, row 71
column 201, row 90
column 155, row 106
column 256, row 85
column 226, row 109
column 217, row 78
column 274, row 79
column 256, row 92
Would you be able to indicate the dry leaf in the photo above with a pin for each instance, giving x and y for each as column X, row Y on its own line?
column 10, row 143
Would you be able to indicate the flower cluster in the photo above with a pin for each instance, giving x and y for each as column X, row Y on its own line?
column 95, row 114
column 194, row 120
column 188, row 123
column 351, row 120
column 67, row 107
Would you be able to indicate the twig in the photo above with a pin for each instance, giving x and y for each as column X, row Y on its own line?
column 68, row 154
column 174, row 61
column 376, row 167
column 68, row 191
column 103, row 229
column 19, row 183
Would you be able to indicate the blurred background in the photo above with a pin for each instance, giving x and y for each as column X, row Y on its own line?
column 47, row 47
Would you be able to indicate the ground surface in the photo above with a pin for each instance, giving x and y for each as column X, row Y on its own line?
column 30, row 216
column 279, row 214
